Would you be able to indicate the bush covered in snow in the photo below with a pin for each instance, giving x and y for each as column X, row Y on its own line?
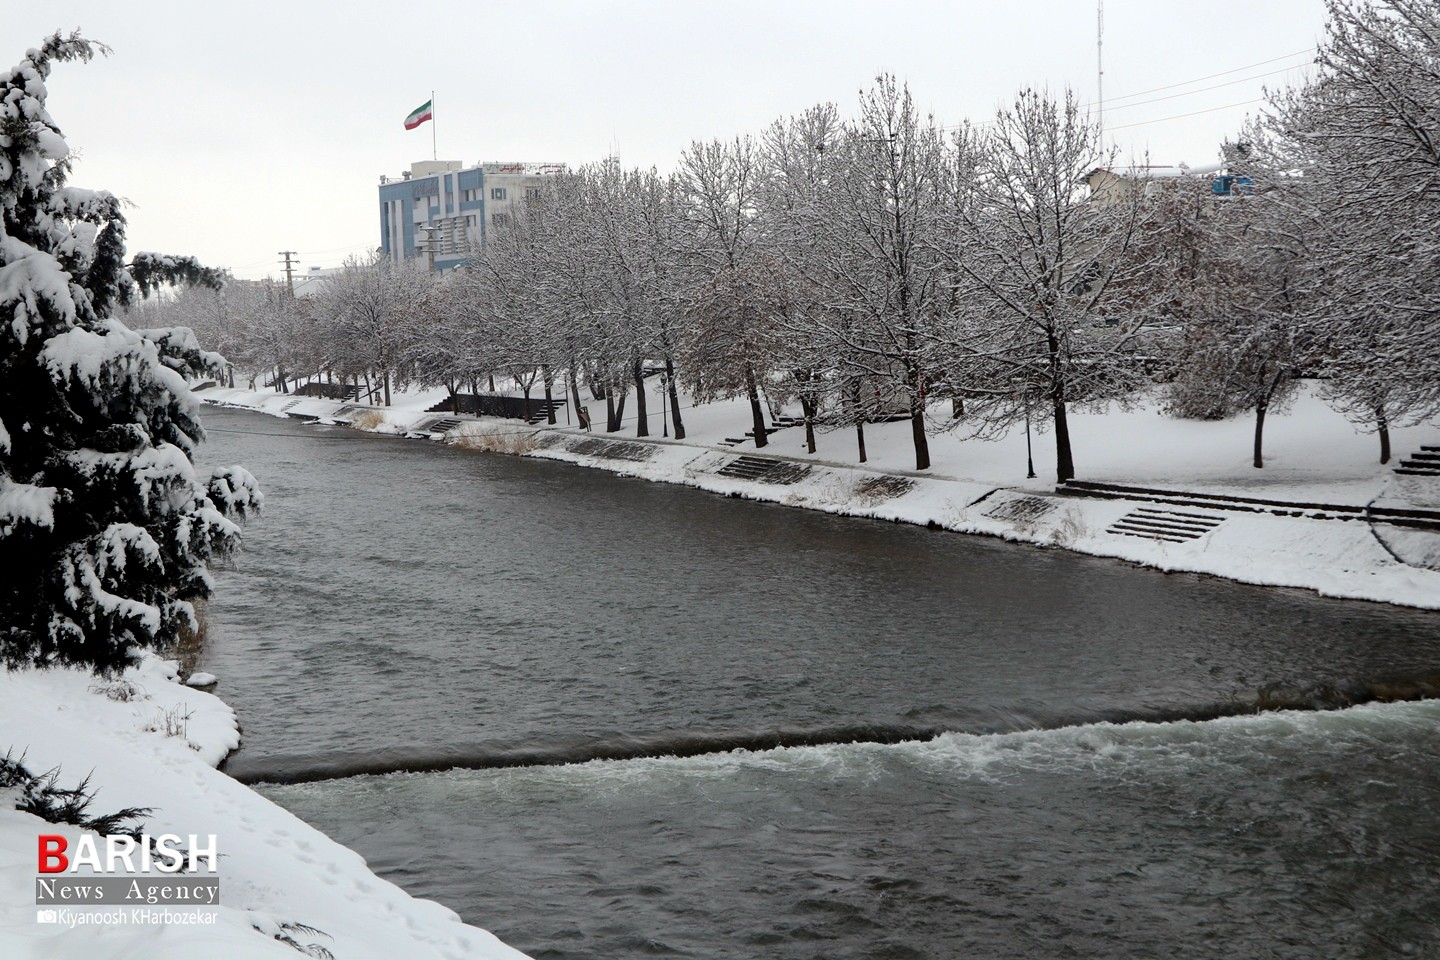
column 106, row 533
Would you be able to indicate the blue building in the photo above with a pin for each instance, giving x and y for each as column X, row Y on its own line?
column 444, row 208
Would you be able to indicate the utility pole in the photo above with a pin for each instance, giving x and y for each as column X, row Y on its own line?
column 429, row 243
column 289, row 270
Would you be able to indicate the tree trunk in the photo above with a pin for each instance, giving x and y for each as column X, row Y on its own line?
column 1382, row 424
column 549, row 394
column 1262, row 406
column 1064, row 461
column 674, row 399
column 492, row 383
column 610, row 418
column 860, row 438
column 915, row 380
column 387, row 387
column 807, row 409
column 917, row 432
column 642, row 419
column 756, row 416
column 525, row 392
column 619, row 409
column 1259, row 432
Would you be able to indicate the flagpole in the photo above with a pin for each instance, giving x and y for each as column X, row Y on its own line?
column 434, row 154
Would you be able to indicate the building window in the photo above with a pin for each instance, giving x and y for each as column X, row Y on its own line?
column 497, row 193
column 499, row 219
column 469, row 196
column 532, row 193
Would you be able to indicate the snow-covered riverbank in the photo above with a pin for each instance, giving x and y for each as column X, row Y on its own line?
column 153, row 742
column 979, row 486
column 146, row 740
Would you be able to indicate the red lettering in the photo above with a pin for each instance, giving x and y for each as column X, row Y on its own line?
column 52, row 850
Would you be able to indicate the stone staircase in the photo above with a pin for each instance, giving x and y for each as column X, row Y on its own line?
column 612, row 449
column 289, row 407
column 1417, row 517
column 497, row 405
column 1424, row 463
column 776, row 425
column 749, row 435
column 764, row 470
column 344, row 392
column 437, row 427
column 1171, row 526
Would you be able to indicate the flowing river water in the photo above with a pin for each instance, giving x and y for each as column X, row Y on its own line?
column 477, row 620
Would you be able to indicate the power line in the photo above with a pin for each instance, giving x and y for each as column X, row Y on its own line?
column 1222, row 73
column 1172, row 86
column 1228, row 83
column 358, row 246
column 1193, row 113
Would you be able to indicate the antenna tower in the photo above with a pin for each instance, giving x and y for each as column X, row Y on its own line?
column 1100, row 63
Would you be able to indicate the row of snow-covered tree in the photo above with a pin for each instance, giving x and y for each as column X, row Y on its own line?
column 963, row 277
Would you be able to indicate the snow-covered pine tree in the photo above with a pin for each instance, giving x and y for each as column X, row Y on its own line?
column 105, row 531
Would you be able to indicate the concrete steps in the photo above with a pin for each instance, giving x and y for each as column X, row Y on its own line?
column 764, row 470
column 1171, row 526
column 603, row 449
column 434, row 428
column 749, row 435
column 1424, row 463
column 1417, row 517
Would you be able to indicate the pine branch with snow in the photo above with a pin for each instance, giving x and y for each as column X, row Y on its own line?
column 106, row 533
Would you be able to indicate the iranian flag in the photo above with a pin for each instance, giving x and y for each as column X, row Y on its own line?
column 419, row 115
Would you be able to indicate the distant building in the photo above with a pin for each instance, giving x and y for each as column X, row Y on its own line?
column 308, row 284
column 448, row 209
column 1110, row 185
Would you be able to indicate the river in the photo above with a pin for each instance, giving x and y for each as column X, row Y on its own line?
column 405, row 606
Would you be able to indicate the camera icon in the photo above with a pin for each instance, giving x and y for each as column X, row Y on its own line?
column 46, row 916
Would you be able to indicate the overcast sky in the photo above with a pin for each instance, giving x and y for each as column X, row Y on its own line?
column 242, row 129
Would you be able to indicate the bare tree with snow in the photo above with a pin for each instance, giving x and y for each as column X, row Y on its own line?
column 1057, row 300
column 1360, row 147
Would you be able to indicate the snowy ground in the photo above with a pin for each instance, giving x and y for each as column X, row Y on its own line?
column 277, row 874
column 979, row 486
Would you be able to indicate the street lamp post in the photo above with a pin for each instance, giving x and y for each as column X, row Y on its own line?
column 664, row 421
